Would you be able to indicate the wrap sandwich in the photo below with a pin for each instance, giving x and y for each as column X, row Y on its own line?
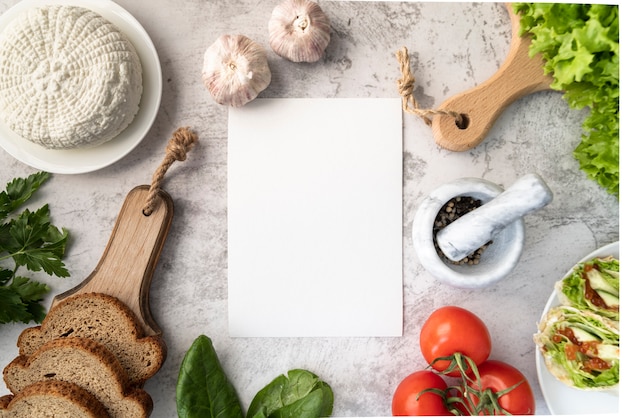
column 580, row 348
column 592, row 285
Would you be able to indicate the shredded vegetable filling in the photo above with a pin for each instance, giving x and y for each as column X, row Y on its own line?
column 591, row 294
column 575, row 348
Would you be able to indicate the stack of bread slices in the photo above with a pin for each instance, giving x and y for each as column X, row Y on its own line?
column 88, row 358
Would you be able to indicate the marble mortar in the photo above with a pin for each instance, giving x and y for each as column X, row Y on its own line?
column 499, row 258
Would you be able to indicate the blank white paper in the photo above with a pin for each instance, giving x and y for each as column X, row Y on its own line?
column 315, row 218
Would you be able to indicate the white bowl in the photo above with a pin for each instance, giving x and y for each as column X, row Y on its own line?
column 498, row 259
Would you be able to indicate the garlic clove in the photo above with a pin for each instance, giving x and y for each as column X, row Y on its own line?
column 299, row 30
column 235, row 70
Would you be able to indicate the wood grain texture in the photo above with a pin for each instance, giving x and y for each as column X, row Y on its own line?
column 481, row 106
column 131, row 255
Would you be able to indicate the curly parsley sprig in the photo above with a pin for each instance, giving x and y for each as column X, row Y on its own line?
column 28, row 241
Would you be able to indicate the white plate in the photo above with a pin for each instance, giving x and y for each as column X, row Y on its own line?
column 78, row 161
column 560, row 398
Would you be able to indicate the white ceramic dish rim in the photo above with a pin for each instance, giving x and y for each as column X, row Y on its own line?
column 422, row 228
column 77, row 161
column 560, row 398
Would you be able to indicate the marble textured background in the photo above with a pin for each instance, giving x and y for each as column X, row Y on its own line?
column 453, row 46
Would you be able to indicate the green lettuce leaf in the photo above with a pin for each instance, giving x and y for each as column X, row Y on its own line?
column 580, row 46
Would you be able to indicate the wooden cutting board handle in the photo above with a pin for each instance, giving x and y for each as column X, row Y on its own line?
column 519, row 76
column 130, row 258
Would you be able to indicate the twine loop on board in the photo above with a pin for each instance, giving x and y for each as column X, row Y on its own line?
column 179, row 144
column 406, row 86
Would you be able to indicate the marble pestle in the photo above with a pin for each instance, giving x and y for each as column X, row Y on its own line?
column 476, row 228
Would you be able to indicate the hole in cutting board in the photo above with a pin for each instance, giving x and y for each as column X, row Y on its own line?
column 464, row 122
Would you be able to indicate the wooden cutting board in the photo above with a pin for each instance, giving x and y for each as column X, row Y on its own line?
column 481, row 106
column 130, row 257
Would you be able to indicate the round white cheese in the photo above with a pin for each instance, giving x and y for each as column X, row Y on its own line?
column 68, row 77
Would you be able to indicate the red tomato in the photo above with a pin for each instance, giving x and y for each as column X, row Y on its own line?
column 405, row 400
column 451, row 330
column 497, row 376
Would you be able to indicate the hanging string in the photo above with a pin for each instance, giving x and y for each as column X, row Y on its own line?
column 406, row 86
column 179, row 144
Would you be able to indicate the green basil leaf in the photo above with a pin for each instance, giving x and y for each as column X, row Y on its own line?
column 314, row 405
column 268, row 399
column 203, row 389
column 300, row 394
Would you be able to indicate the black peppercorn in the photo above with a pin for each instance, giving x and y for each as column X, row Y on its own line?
column 451, row 211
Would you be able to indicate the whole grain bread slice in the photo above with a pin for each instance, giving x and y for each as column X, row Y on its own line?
column 4, row 401
column 87, row 364
column 104, row 319
column 52, row 398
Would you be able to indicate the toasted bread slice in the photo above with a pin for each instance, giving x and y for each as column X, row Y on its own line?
column 106, row 320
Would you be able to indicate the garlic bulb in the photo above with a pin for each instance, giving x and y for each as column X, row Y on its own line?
column 235, row 70
column 299, row 30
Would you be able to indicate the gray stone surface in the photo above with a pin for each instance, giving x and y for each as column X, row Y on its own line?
column 453, row 47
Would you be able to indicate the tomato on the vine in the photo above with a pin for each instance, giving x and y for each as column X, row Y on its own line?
column 450, row 330
column 407, row 400
column 498, row 376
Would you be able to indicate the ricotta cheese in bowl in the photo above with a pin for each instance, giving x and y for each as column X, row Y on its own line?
column 68, row 77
